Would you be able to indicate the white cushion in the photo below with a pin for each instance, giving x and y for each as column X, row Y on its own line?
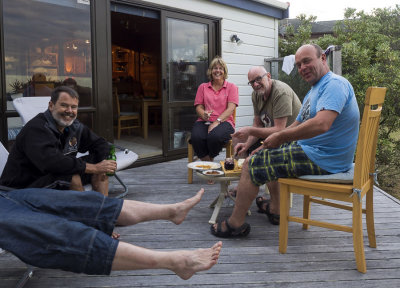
column 125, row 159
column 342, row 178
column 3, row 157
column 29, row 107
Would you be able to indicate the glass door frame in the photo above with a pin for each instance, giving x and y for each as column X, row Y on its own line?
column 213, row 49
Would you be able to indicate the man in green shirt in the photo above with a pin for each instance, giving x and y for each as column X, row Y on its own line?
column 276, row 106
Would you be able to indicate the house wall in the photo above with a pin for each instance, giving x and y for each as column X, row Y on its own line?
column 260, row 40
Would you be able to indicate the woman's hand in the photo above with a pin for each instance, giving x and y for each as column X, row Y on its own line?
column 206, row 115
column 212, row 126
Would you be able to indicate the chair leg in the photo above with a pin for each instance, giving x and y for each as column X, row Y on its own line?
column 369, row 207
column 123, row 194
column 283, row 224
column 119, row 129
column 190, row 159
column 358, row 242
column 306, row 210
column 27, row 275
column 228, row 149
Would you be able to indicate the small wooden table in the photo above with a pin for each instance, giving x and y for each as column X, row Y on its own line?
column 229, row 175
column 146, row 103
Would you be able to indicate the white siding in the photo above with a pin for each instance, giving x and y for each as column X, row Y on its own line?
column 260, row 40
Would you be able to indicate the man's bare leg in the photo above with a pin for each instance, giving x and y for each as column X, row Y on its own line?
column 134, row 212
column 100, row 183
column 183, row 263
column 246, row 193
column 274, row 203
column 76, row 183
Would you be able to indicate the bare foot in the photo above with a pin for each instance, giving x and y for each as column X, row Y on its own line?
column 181, row 209
column 187, row 263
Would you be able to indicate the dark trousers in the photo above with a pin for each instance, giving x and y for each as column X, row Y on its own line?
column 210, row 144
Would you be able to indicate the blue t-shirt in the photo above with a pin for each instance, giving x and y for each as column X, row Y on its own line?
column 333, row 150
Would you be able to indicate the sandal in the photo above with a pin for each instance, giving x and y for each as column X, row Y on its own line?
column 260, row 201
column 273, row 218
column 230, row 232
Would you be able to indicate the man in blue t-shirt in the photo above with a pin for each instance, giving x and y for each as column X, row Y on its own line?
column 322, row 140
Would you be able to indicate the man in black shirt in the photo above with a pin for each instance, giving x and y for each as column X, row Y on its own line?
column 44, row 154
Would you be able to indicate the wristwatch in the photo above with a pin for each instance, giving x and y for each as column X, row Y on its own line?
column 219, row 120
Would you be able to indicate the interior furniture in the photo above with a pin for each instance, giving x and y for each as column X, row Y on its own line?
column 191, row 157
column 345, row 196
column 146, row 103
column 125, row 120
column 29, row 269
column 29, row 107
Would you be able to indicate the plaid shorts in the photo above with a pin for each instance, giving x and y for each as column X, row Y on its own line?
column 287, row 161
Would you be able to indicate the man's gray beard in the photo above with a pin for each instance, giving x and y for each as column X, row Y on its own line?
column 61, row 123
column 259, row 93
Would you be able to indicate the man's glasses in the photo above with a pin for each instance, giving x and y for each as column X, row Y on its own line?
column 258, row 79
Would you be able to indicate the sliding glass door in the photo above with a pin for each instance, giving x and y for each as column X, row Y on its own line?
column 188, row 44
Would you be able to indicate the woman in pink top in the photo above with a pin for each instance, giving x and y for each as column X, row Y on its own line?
column 215, row 103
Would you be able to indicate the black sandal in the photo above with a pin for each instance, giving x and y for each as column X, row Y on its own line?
column 273, row 218
column 260, row 201
column 230, row 232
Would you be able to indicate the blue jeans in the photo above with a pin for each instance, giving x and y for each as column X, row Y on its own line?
column 60, row 229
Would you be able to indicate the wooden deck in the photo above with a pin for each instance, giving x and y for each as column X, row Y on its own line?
column 315, row 258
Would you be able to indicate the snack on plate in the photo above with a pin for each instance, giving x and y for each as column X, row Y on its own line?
column 212, row 172
column 240, row 162
column 203, row 166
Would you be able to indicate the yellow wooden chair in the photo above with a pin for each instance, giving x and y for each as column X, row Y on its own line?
column 132, row 119
column 363, row 181
column 191, row 157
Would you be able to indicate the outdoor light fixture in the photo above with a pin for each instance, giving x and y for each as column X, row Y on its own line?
column 236, row 39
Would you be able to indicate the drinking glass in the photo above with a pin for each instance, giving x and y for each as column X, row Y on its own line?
column 209, row 110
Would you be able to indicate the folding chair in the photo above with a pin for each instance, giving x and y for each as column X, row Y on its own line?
column 29, row 107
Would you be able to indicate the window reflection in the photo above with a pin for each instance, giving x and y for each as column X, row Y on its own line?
column 187, row 58
column 47, row 44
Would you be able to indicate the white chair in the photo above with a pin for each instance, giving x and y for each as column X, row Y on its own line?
column 29, row 107
column 29, row 269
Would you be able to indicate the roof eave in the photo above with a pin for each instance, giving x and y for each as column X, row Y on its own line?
column 272, row 8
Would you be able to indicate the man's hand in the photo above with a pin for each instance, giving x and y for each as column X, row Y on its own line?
column 242, row 134
column 103, row 167
column 240, row 148
column 273, row 141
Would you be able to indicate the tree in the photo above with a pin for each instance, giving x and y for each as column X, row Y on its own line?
column 370, row 57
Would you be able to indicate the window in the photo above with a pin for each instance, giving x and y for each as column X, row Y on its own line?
column 47, row 43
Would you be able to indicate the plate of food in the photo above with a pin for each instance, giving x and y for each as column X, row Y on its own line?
column 203, row 165
column 213, row 173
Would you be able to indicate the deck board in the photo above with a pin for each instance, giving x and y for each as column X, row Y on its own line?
column 315, row 258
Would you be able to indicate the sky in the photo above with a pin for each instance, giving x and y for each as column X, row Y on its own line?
column 334, row 10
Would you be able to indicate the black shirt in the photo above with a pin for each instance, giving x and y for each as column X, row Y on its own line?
column 41, row 149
